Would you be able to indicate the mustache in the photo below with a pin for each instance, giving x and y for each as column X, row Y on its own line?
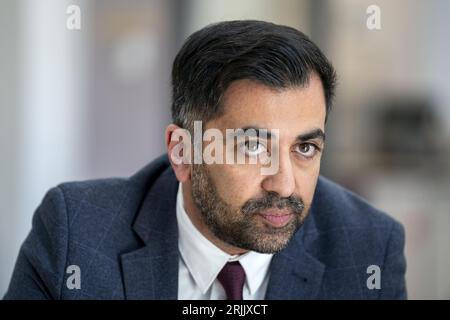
column 271, row 201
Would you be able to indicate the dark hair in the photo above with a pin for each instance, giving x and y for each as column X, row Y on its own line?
column 213, row 57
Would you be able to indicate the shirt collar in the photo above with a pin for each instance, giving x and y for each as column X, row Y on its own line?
column 195, row 250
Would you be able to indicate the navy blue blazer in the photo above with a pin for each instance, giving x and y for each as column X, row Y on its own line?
column 122, row 234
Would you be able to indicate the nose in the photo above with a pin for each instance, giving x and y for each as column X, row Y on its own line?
column 283, row 181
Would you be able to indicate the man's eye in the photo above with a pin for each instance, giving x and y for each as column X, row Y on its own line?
column 253, row 148
column 307, row 150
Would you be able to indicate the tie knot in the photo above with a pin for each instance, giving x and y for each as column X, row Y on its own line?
column 232, row 278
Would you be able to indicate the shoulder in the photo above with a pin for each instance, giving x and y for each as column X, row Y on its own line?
column 336, row 206
column 345, row 229
column 88, row 224
column 100, row 199
column 350, row 236
column 93, row 213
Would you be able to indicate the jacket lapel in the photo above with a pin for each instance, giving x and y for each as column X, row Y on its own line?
column 151, row 272
column 295, row 273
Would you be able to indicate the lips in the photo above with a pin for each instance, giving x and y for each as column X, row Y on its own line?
column 277, row 218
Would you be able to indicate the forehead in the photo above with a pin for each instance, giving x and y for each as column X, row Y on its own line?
column 247, row 103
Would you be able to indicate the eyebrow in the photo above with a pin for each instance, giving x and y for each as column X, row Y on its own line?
column 310, row 135
column 316, row 133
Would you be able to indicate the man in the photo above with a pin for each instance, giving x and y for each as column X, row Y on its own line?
column 186, row 227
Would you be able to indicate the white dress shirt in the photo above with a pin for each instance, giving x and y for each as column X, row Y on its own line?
column 201, row 261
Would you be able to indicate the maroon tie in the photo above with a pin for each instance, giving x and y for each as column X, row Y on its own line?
column 232, row 278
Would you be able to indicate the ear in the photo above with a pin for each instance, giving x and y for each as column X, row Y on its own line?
column 178, row 143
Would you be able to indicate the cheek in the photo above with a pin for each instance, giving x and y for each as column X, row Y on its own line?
column 236, row 183
column 306, row 182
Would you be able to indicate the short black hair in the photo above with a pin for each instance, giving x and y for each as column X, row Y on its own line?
column 213, row 57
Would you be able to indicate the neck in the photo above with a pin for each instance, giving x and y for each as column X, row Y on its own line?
column 196, row 218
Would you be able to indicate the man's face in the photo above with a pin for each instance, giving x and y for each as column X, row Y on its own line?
column 238, row 204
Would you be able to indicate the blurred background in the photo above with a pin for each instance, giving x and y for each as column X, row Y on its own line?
column 94, row 102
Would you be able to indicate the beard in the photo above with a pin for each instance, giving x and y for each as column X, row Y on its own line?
column 243, row 227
